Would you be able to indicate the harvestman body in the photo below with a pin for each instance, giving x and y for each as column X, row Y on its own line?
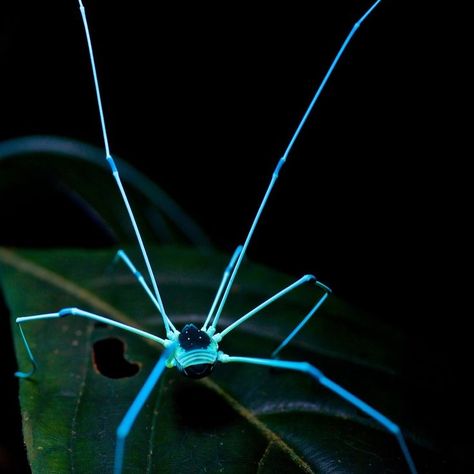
column 193, row 351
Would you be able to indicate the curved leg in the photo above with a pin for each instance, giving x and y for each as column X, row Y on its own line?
column 121, row 255
column 225, row 279
column 126, row 424
column 337, row 389
column 74, row 312
column 305, row 279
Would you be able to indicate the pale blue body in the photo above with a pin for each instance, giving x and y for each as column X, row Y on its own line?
column 206, row 354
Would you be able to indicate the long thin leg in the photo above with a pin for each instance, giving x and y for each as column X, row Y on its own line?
column 306, row 278
column 126, row 424
column 75, row 312
column 121, row 255
column 225, row 279
column 337, row 389
column 304, row 320
column 115, row 172
column 282, row 160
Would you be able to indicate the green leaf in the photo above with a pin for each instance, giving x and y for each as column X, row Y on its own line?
column 242, row 418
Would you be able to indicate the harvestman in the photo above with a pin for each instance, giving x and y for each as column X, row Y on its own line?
column 193, row 351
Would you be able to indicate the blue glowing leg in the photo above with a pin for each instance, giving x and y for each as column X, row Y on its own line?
column 305, row 279
column 121, row 255
column 115, row 172
column 126, row 424
column 298, row 328
column 307, row 368
column 74, row 312
column 225, row 279
column 282, row 160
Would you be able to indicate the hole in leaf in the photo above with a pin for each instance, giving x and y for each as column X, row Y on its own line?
column 108, row 358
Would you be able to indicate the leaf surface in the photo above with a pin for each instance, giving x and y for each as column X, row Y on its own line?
column 242, row 418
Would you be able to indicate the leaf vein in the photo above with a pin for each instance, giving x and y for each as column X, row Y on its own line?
column 11, row 258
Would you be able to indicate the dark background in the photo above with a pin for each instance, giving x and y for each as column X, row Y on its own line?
column 204, row 98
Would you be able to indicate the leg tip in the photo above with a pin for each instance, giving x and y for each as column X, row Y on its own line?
column 23, row 375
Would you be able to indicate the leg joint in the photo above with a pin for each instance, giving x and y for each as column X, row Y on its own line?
column 394, row 428
column 323, row 286
column 112, row 165
column 67, row 312
column 310, row 369
column 122, row 431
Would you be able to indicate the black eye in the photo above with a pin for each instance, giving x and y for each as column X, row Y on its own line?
column 198, row 371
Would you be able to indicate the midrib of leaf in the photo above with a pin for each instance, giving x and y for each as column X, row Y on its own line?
column 41, row 273
column 149, row 461
column 14, row 260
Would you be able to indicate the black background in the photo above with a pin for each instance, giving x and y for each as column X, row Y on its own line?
column 204, row 98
